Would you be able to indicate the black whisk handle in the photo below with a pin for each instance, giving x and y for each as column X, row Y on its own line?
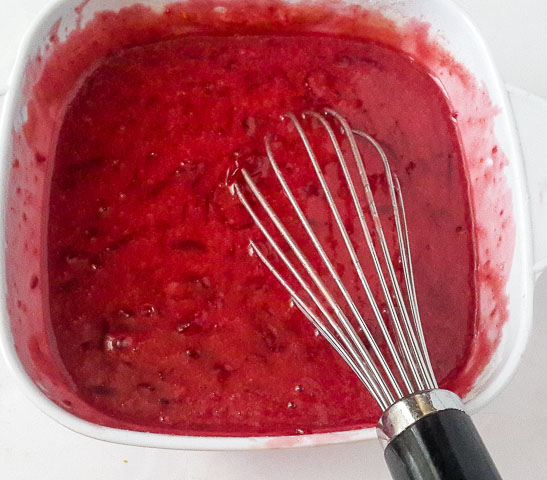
column 429, row 436
column 444, row 445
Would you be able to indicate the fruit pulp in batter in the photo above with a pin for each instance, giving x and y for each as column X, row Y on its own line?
column 161, row 316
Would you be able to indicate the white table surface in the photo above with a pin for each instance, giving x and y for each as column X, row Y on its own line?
column 514, row 425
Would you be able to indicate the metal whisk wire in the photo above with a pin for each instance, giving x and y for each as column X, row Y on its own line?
column 408, row 352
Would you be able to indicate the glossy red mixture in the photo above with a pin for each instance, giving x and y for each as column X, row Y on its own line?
column 161, row 316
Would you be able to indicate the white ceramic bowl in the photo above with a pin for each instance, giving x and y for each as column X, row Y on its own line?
column 454, row 31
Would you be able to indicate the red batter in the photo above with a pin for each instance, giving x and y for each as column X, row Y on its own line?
column 161, row 316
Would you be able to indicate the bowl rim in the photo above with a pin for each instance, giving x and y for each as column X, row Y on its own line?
column 190, row 442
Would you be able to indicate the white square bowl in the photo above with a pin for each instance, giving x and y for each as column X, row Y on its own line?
column 24, row 334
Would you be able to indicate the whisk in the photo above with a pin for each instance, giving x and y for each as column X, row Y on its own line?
column 424, row 430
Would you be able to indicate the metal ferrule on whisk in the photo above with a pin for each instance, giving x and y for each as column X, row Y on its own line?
column 409, row 410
